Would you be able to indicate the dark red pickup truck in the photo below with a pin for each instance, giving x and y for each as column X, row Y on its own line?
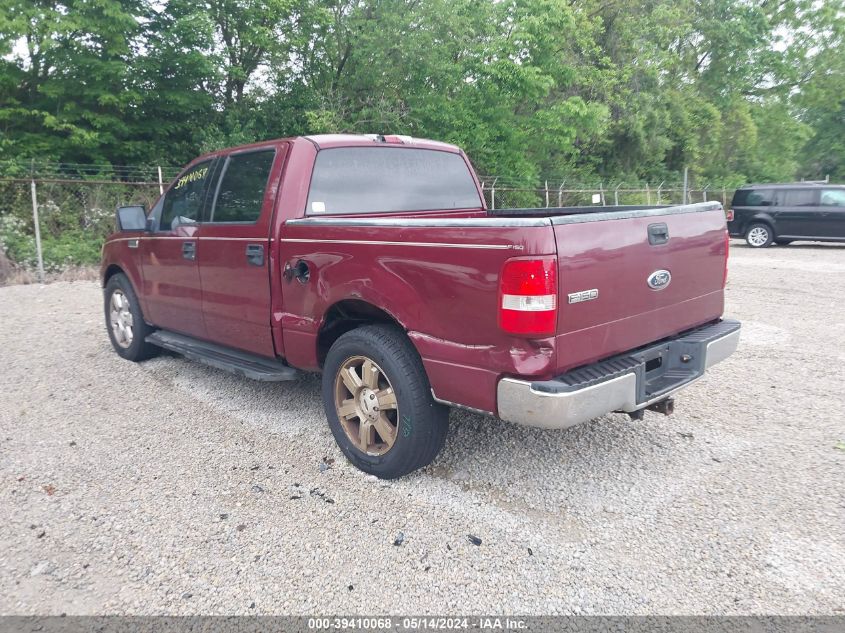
column 374, row 260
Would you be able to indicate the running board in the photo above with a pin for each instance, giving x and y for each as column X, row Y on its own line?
column 226, row 358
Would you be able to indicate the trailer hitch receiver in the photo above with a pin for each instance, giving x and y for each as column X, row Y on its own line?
column 666, row 406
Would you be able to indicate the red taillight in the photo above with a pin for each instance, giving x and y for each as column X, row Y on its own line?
column 528, row 296
column 729, row 215
column 727, row 252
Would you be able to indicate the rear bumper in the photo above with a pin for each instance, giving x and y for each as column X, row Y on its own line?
column 628, row 382
column 734, row 229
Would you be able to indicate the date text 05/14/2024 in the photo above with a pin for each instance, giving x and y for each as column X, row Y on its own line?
column 418, row 623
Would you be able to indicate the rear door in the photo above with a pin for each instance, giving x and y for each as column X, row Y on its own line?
column 797, row 213
column 832, row 206
column 233, row 250
column 169, row 255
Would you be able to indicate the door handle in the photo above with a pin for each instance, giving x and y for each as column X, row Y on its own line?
column 189, row 250
column 300, row 270
column 255, row 254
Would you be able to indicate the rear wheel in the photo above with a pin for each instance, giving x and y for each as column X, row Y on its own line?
column 126, row 326
column 378, row 402
column 759, row 236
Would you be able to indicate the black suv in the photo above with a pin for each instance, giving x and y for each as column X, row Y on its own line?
column 764, row 214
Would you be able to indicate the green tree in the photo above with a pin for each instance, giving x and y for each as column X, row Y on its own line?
column 633, row 89
column 65, row 88
column 821, row 98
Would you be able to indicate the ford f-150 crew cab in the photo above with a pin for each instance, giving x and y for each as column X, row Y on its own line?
column 374, row 260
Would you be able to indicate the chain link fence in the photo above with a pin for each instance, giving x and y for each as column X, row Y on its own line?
column 57, row 215
column 50, row 224
column 501, row 195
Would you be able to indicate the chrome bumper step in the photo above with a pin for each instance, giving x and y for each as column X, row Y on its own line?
column 628, row 382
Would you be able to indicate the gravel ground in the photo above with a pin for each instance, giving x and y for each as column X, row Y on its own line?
column 169, row 487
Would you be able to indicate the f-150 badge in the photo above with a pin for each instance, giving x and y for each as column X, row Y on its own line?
column 659, row 279
column 584, row 295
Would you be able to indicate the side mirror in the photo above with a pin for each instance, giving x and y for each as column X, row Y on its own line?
column 132, row 218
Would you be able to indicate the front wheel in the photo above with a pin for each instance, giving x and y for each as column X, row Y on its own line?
column 125, row 322
column 759, row 236
column 378, row 402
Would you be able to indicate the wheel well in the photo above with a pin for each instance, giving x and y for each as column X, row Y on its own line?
column 765, row 221
column 345, row 316
column 111, row 271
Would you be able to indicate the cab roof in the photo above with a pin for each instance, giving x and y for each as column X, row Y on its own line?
column 326, row 141
column 323, row 141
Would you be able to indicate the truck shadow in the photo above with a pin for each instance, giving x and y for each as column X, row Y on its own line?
column 520, row 469
column 590, row 465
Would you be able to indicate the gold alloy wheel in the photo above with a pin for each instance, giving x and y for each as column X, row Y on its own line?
column 366, row 405
column 120, row 317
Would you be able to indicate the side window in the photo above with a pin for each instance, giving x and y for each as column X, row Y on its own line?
column 796, row 198
column 833, row 197
column 753, row 198
column 240, row 194
column 183, row 202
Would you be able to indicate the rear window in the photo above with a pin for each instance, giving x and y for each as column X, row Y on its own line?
column 753, row 198
column 833, row 197
column 385, row 179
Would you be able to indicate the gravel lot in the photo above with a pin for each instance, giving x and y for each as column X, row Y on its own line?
column 169, row 487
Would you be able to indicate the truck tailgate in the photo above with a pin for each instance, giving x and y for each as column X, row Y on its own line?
column 606, row 261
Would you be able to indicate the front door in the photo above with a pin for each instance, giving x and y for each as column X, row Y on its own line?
column 169, row 255
column 233, row 251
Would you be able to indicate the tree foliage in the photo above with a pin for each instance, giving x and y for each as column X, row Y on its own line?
column 734, row 90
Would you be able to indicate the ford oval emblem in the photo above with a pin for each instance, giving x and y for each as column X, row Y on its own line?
column 659, row 279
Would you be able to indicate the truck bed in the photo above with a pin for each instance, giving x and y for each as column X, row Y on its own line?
column 605, row 260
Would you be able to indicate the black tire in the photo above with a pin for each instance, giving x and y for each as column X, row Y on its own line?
column 421, row 423
column 759, row 235
column 138, row 349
